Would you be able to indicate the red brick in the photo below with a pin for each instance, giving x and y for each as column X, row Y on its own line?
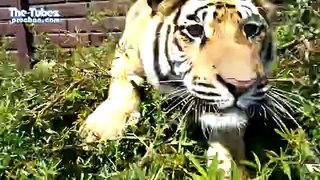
column 69, row 9
column 111, row 24
column 8, row 3
column 119, row 7
column 45, row 1
column 79, row 24
column 15, row 55
column 52, row 27
column 108, row 24
column 100, row 5
column 115, row 35
column 8, row 29
column 4, row 13
column 97, row 38
column 67, row 40
column 12, row 43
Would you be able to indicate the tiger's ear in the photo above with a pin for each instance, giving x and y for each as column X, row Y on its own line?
column 269, row 8
column 164, row 7
column 154, row 4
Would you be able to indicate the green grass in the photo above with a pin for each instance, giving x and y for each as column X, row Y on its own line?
column 41, row 110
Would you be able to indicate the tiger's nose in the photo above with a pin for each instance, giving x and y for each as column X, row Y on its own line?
column 237, row 86
column 241, row 84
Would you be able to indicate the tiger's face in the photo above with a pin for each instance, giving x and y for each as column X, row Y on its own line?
column 222, row 50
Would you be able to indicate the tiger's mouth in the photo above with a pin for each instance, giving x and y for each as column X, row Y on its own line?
column 216, row 105
column 219, row 109
column 223, row 96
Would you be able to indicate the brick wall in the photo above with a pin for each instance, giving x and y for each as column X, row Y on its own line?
column 6, row 29
column 75, row 21
column 75, row 27
column 15, row 33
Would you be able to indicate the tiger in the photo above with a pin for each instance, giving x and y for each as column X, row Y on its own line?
column 220, row 51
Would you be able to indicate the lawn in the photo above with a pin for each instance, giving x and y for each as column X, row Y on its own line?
column 41, row 111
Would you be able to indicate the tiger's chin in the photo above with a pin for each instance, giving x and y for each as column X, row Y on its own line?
column 230, row 118
column 231, row 114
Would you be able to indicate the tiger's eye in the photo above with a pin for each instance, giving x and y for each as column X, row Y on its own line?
column 193, row 17
column 195, row 30
column 252, row 29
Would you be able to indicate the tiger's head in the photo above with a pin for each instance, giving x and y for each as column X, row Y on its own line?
column 220, row 49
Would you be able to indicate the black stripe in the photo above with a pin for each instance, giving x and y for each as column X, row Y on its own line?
column 193, row 17
column 203, row 7
column 203, row 41
column 206, row 93
column 166, row 49
column 156, row 51
column 230, row 6
column 204, row 85
column 200, row 8
column 204, row 15
column 176, row 17
column 176, row 42
column 188, row 71
column 247, row 7
column 215, row 14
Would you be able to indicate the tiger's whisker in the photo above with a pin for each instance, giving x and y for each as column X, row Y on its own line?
column 285, row 101
column 279, row 101
column 264, row 112
column 177, row 93
column 284, row 92
column 191, row 101
column 174, row 104
column 285, row 97
column 186, row 102
column 174, row 93
column 282, row 110
column 275, row 117
column 190, row 104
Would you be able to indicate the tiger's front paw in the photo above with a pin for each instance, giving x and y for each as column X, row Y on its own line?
column 223, row 156
column 107, row 122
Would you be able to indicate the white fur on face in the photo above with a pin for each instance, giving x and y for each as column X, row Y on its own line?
column 224, row 100
column 228, row 119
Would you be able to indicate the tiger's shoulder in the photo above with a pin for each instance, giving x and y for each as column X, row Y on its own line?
column 140, row 17
column 137, row 20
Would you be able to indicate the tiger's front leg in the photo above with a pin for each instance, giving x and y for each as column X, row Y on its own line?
column 228, row 144
column 112, row 116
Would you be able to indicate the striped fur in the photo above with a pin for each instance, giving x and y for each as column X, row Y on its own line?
column 217, row 52
column 161, row 47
